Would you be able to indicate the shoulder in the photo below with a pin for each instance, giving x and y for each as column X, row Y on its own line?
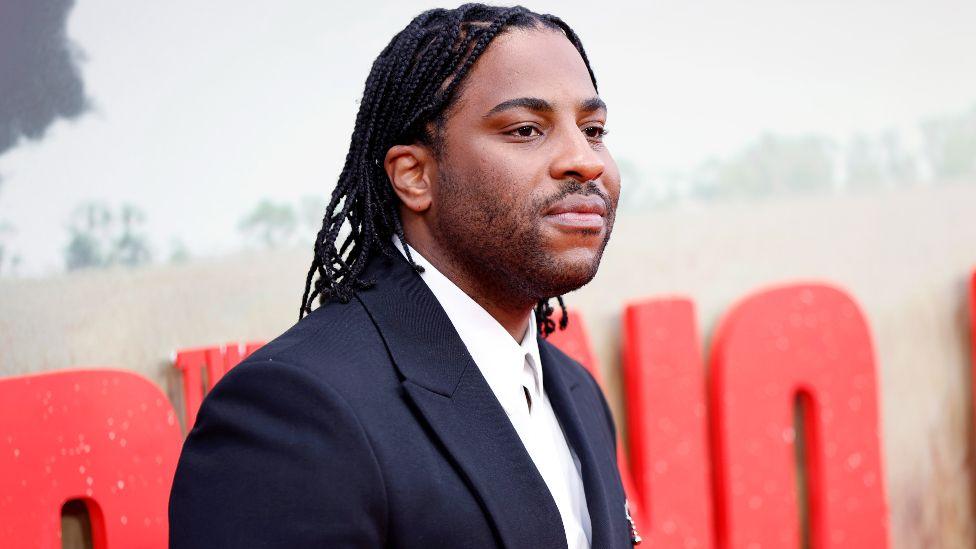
column 273, row 440
column 332, row 359
column 312, row 367
column 338, row 344
column 291, row 410
column 300, row 382
column 333, row 328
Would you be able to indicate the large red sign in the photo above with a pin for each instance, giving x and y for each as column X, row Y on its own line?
column 108, row 438
column 779, row 441
column 806, row 345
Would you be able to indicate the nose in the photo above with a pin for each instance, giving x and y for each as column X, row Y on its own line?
column 576, row 159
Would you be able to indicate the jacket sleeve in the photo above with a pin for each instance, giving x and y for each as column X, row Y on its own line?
column 276, row 459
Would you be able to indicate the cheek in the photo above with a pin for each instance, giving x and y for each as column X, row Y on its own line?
column 496, row 183
column 474, row 198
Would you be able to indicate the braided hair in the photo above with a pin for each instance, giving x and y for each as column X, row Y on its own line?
column 411, row 87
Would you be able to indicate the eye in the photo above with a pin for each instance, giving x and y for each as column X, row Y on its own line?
column 595, row 133
column 525, row 131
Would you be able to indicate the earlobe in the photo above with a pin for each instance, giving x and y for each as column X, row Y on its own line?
column 408, row 168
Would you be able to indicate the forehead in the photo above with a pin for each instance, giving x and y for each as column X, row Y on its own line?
column 539, row 63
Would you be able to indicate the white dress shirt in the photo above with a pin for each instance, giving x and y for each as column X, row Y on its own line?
column 514, row 373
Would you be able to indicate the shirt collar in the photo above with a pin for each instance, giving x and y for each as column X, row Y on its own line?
column 501, row 359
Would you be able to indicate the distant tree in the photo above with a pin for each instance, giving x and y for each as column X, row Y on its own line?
column 864, row 160
column 771, row 165
column 705, row 181
column 131, row 247
column 950, row 145
column 879, row 161
column 9, row 261
column 900, row 164
column 96, row 241
column 89, row 228
column 311, row 209
column 178, row 251
column 269, row 225
column 636, row 191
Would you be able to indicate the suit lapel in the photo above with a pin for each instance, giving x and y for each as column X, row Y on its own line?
column 561, row 388
column 448, row 390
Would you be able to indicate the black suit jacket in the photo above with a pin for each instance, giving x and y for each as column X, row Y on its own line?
column 368, row 424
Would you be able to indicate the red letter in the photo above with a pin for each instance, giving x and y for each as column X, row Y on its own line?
column 217, row 361
column 664, row 382
column 107, row 437
column 972, row 327
column 811, row 342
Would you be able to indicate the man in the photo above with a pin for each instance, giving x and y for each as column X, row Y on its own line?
column 417, row 406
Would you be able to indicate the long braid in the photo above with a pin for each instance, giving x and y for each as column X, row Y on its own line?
column 411, row 85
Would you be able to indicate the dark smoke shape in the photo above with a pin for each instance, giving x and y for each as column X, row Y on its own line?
column 39, row 79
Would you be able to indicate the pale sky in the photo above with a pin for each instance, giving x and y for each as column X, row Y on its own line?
column 201, row 109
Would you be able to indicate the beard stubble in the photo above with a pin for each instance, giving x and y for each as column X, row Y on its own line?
column 498, row 239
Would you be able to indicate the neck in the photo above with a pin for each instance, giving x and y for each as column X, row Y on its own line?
column 500, row 302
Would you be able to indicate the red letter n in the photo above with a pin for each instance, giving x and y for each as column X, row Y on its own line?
column 806, row 345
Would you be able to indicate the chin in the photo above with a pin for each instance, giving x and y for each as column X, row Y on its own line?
column 570, row 271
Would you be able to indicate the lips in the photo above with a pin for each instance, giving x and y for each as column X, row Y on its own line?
column 578, row 212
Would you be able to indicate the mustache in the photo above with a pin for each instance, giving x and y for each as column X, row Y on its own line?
column 572, row 187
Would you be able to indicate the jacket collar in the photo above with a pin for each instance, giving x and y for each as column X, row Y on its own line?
column 561, row 388
column 449, row 391
column 499, row 357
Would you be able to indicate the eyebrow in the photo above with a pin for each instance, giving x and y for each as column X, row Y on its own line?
column 592, row 104
column 541, row 105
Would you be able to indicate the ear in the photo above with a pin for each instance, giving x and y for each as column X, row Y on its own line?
column 409, row 168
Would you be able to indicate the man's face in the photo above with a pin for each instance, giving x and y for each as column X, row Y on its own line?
column 526, row 190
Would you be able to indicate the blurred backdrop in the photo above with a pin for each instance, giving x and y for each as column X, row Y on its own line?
column 164, row 168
